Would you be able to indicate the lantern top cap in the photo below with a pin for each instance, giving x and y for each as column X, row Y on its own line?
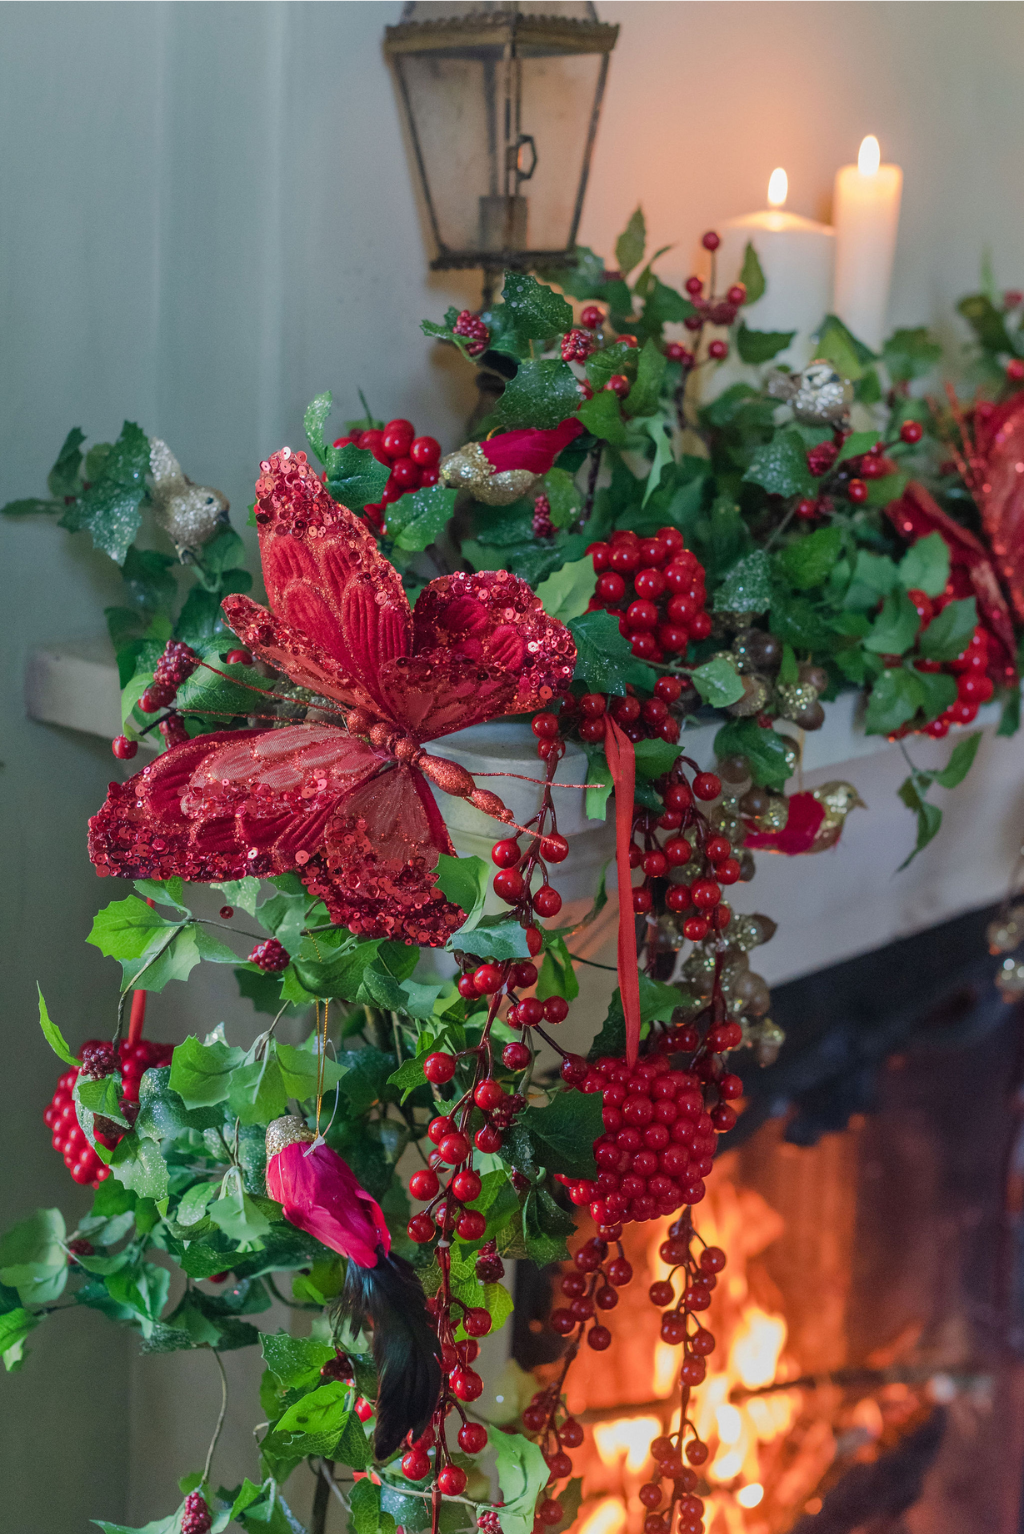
column 557, row 26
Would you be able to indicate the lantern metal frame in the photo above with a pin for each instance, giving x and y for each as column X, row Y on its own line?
column 512, row 31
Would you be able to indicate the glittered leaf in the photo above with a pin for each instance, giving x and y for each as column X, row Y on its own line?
column 65, row 478
column 780, row 466
column 200, row 1073
column 417, row 519
column 746, row 586
column 314, row 421
column 758, row 346
column 532, row 311
column 110, row 506
column 294, row 1362
column 604, row 658
column 542, row 394
column 354, row 477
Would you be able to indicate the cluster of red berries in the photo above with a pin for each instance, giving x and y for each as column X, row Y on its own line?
column 61, row 1118
column 340, row 1368
column 689, row 837
column 543, row 527
column 577, row 345
column 851, row 476
column 665, row 608
column 973, row 684
column 269, row 955
column 175, row 666
column 659, row 1136
column 413, row 461
column 590, row 1287
column 196, row 1517
column 680, row 1326
column 472, row 327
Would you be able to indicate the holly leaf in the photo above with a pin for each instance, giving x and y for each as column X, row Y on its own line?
column 655, row 757
column 746, row 586
column 546, row 1228
column 33, row 1258
column 110, row 506
column 751, row 275
column 810, row 560
column 895, row 629
column 987, row 323
column 895, row 697
column 137, row 1164
column 542, row 394
column 910, row 354
column 960, row 762
column 522, row 1474
column 938, row 692
column 602, row 416
column 125, row 929
column 569, row 1500
column 629, row 247
column 604, row 658
column 496, row 937
column 53, row 1035
column 314, row 421
column 650, row 373
column 532, row 311
column 65, row 478
column 925, row 565
column 418, row 518
column 564, row 1132
column 238, row 1216
column 718, row 682
column 201, row 1073
column 557, row 975
column 354, row 477
column 295, row 1362
column 764, row 749
column 566, row 594
column 464, row 882
column 317, row 1420
column 759, row 346
column 838, row 345
column 949, row 632
column 780, row 466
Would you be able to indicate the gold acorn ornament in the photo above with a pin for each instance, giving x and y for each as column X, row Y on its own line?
column 1010, row 980
column 189, row 514
column 1006, row 930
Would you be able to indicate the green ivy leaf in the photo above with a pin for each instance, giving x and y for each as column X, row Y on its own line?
column 629, row 247
column 138, row 1165
column 33, row 1258
column 746, row 586
column 200, row 1073
column 532, row 311
column 565, row 1132
column 780, row 466
column 314, row 421
column 810, row 560
column 895, row 629
column 949, row 632
column 759, row 346
column 418, row 518
column 765, row 750
column 602, row 416
column 464, row 881
column 125, row 929
column 929, row 817
column 604, row 659
column 662, row 306
column 655, row 757
column 354, row 477
column 925, row 565
column 895, row 697
column 542, row 394
column 53, row 1035
column 718, row 682
column 522, row 1473
column 910, row 354
column 960, row 762
column 838, row 345
column 751, row 275
column 110, row 506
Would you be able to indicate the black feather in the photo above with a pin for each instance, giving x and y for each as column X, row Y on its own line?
column 405, row 1347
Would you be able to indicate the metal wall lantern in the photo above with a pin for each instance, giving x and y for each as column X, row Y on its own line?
column 502, row 102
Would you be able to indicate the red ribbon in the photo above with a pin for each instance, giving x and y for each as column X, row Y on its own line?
column 622, row 763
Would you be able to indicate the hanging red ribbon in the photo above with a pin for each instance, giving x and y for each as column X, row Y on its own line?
column 622, row 764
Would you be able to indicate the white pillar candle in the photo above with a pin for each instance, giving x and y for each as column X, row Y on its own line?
column 796, row 257
column 866, row 212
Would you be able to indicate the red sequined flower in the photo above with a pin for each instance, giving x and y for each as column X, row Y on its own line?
column 345, row 805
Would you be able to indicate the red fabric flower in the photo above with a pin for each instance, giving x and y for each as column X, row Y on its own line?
column 320, row 1195
column 345, row 805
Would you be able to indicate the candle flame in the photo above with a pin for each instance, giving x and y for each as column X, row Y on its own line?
column 778, row 188
column 870, row 156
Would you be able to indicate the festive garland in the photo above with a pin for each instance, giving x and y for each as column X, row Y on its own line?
column 630, row 551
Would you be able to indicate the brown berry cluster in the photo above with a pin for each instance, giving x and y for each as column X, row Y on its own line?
column 655, row 588
column 99, row 1059
column 413, row 462
column 697, row 1273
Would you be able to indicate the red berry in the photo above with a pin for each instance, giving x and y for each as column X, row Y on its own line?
column 545, row 726
column 737, row 294
column 610, row 587
column 439, row 1068
column 510, row 885
column 453, row 1147
column 472, row 1437
column 1015, row 369
column 439, row 1127
column 467, row 989
column 123, row 748
column 465, row 1384
column 425, row 451
column 857, row 491
column 270, row 956
column 415, row 1465
column 488, row 1094
column 547, row 901
column 712, row 1259
column 556, row 1009
column 477, row 1322
column 694, row 286
column 642, row 901
column 711, row 240
column 695, row 929
column 554, row 848
column 534, row 940
column 592, row 317
column 619, row 385
column 516, row 1057
column 420, row 1228
column 505, row 853
column 487, row 1138
column 718, row 350
column 487, row 978
column 706, row 785
column 911, row 431
column 599, row 1338
column 423, row 1184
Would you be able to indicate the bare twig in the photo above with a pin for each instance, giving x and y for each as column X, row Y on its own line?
column 220, row 1419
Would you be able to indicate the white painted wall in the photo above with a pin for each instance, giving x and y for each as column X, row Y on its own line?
column 206, row 216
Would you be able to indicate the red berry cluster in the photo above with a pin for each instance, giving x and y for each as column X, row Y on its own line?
column 665, row 608
column 61, row 1118
column 196, row 1517
column 412, row 460
column 577, row 345
column 973, row 684
column 270, row 955
column 680, row 1327
column 589, row 1288
column 175, row 665
column 475, row 331
column 543, row 527
column 690, row 840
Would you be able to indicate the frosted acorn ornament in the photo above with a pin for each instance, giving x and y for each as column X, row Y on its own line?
column 189, row 514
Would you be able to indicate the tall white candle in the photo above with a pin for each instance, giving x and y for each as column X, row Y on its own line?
column 796, row 257
column 866, row 213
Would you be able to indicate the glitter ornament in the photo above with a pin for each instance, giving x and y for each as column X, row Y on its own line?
column 347, row 808
column 819, row 396
column 1006, row 931
column 189, row 514
column 504, row 468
